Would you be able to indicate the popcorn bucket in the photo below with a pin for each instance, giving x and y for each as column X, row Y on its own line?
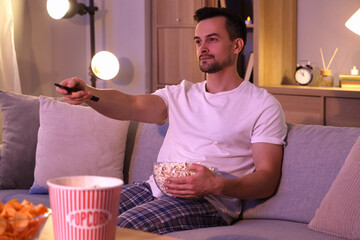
column 85, row 207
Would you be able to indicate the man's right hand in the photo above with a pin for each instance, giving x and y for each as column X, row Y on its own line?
column 78, row 97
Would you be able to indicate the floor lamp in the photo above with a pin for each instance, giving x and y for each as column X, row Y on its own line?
column 106, row 65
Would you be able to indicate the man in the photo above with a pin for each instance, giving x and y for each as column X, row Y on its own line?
column 224, row 122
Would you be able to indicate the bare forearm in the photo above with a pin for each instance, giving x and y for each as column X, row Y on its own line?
column 113, row 103
column 118, row 105
column 251, row 186
column 107, row 97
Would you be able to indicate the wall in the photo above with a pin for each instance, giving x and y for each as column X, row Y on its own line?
column 50, row 50
column 321, row 23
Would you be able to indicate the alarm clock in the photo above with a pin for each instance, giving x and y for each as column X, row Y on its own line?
column 304, row 74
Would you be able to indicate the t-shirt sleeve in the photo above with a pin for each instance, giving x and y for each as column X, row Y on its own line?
column 163, row 93
column 270, row 126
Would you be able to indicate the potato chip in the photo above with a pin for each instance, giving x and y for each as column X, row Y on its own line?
column 19, row 220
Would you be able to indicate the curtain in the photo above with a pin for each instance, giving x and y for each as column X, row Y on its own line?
column 9, row 74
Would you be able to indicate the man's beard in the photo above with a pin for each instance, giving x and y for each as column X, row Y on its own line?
column 213, row 66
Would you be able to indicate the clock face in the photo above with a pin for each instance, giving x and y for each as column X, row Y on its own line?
column 303, row 75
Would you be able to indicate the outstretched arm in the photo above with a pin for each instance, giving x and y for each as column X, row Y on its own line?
column 115, row 104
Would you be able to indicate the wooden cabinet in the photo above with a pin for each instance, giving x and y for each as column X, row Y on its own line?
column 320, row 106
column 173, row 49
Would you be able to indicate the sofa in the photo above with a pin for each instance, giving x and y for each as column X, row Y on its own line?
column 318, row 196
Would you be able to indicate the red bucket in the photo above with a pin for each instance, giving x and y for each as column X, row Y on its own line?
column 85, row 207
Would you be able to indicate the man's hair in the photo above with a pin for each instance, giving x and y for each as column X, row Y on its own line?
column 235, row 25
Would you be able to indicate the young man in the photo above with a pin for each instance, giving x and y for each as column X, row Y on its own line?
column 223, row 122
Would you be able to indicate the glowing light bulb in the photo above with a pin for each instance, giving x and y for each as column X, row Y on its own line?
column 57, row 8
column 105, row 65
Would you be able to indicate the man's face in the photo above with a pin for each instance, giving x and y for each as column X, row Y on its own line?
column 215, row 50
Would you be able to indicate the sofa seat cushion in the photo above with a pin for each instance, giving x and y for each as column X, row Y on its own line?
column 255, row 230
column 23, row 194
column 313, row 157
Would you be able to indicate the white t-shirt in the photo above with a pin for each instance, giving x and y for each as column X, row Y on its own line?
column 219, row 129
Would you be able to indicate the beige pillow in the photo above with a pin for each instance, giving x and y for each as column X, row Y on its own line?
column 339, row 212
column 77, row 140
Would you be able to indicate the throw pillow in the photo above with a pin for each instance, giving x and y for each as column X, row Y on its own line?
column 20, row 123
column 339, row 211
column 77, row 140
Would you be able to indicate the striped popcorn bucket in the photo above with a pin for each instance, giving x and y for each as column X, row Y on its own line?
column 84, row 207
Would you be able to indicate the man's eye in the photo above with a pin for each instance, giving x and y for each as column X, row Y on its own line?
column 197, row 42
column 212, row 39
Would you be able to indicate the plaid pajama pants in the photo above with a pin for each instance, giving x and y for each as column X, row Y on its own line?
column 141, row 211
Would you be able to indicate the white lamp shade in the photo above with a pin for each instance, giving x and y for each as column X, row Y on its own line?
column 57, row 8
column 105, row 65
column 354, row 22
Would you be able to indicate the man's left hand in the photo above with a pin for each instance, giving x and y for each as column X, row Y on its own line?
column 203, row 182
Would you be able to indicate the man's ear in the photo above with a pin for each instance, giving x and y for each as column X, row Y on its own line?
column 238, row 45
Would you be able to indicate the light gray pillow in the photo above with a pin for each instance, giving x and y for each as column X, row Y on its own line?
column 77, row 140
column 20, row 122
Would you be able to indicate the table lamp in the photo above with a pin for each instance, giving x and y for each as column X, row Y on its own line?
column 354, row 22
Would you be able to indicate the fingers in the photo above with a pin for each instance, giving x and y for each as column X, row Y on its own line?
column 181, row 190
column 79, row 95
column 183, row 195
column 177, row 180
column 74, row 82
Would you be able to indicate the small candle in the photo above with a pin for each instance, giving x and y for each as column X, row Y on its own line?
column 248, row 20
column 354, row 71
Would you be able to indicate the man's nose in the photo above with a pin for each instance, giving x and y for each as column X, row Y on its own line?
column 203, row 49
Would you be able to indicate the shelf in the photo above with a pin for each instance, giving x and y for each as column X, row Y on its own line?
column 313, row 91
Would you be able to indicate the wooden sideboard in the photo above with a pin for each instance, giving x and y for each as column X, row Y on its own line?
column 314, row 105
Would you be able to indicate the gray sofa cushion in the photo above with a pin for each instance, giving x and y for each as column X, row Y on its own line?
column 312, row 159
column 255, row 230
column 148, row 140
column 20, row 122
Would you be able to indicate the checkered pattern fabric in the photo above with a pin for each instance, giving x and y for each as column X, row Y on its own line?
column 140, row 210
